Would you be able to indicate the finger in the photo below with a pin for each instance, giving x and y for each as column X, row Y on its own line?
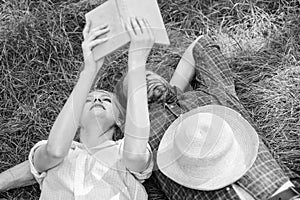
column 86, row 28
column 129, row 29
column 148, row 28
column 98, row 33
column 135, row 26
column 104, row 26
column 96, row 42
column 141, row 24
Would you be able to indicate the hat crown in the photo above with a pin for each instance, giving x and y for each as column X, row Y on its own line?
column 206, row 152
column 202, row 139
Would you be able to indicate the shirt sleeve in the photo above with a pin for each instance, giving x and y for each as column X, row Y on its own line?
column 39, row 176
column 142, row 176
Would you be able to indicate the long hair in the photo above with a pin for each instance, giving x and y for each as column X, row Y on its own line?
column 120, row 119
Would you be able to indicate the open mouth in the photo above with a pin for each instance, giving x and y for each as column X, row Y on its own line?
column 97, row 106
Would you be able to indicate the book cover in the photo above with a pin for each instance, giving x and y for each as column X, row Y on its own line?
column 116, row 12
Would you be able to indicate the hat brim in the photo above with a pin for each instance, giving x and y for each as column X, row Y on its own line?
column 247, row 147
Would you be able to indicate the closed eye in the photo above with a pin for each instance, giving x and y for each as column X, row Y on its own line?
column 88, row 100
column 108, row 100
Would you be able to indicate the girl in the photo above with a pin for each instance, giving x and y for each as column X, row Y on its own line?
column 98, row 167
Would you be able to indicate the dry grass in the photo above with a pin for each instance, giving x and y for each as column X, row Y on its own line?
column 40, row 45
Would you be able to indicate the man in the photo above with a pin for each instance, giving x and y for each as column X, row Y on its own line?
column 214, row 86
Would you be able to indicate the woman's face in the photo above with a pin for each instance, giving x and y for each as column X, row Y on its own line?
column 99, row 110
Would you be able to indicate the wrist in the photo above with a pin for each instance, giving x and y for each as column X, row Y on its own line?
column 136, row 63
column 88, row 73
column 137, row 57
column 92, row 67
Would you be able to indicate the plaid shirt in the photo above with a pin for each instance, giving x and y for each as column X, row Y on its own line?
column 214, row 85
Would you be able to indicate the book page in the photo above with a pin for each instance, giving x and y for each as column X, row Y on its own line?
column 108, row 13
column 149, row 10
column 116, row 12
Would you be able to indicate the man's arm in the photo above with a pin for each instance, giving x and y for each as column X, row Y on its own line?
column 185, row 69
column 17, row 176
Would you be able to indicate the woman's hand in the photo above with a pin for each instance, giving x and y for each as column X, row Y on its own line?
column 91, row 40
column 142, row 39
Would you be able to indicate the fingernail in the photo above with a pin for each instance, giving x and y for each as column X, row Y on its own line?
column 104, row 26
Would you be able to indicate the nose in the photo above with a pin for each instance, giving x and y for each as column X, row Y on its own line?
column 97, row 99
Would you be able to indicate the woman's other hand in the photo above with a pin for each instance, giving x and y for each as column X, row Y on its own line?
column 137, row 128
column 142, row 39
column 92, row 38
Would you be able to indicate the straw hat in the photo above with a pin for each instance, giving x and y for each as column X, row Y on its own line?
column 208, row 148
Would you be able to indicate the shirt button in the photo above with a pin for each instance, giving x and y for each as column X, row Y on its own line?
column 171, row 106
column 228, row 188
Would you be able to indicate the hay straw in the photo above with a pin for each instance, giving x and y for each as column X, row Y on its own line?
column 40, row 45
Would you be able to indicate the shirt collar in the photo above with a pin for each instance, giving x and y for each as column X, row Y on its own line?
column 106, row 144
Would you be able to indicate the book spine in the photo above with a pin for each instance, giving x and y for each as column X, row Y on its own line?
column 123, row 11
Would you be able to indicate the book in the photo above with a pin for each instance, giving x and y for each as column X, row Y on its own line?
column 115, row 13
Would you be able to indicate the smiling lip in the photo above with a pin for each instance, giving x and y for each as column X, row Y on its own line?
column 97, row 105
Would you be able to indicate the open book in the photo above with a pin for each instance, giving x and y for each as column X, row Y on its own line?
column 115, row 13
